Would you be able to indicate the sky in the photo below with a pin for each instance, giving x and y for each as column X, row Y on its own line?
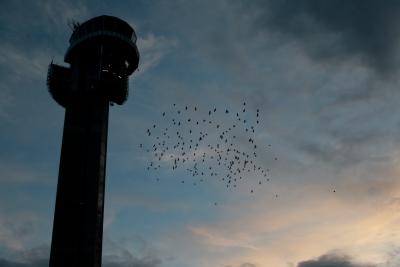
column 324, row 75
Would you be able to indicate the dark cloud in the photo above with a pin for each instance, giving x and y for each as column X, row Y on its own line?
column 38, row 257
column 145, row 262
column 332, row 260
column 115, row 253
column 343, row 150
column 20, row 229
column 33, row 263
column 248, row 265
column 336, row 31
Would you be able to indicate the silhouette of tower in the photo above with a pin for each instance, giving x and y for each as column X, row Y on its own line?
column 102, row 54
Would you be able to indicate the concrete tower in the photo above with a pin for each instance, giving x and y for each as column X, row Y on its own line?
column 102, row 54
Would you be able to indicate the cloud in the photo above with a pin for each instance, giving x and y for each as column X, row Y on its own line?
column 393, row 258
column 135, row 262
column 332, row 260
column 13, row 172
column 144, row 262
column 124, row 258
column 337, row 31
column 247, row 265
column 23, row 64
column 38, row 257
column 218, row 240
column 129, row 252
column 17, row 230
column 35, row 257
column 61, row 12
column 238, row 34
column 6, row 101
column 361, row 225
column 313, row 67
column 152, row 49
column 34, row 263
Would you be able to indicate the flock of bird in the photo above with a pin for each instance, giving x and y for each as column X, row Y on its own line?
column 209, row 144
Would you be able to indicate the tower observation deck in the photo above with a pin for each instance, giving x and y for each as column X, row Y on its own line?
column 102, row 54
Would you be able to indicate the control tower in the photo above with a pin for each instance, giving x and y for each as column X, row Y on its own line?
column 102, row 54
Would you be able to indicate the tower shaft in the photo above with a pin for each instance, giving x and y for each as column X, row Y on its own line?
column 102, row 54
column 78, row 219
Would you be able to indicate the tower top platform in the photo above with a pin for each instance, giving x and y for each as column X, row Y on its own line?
column 105, row 29
column 102, row 54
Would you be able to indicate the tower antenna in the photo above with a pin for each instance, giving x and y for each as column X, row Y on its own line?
column 73, row 24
